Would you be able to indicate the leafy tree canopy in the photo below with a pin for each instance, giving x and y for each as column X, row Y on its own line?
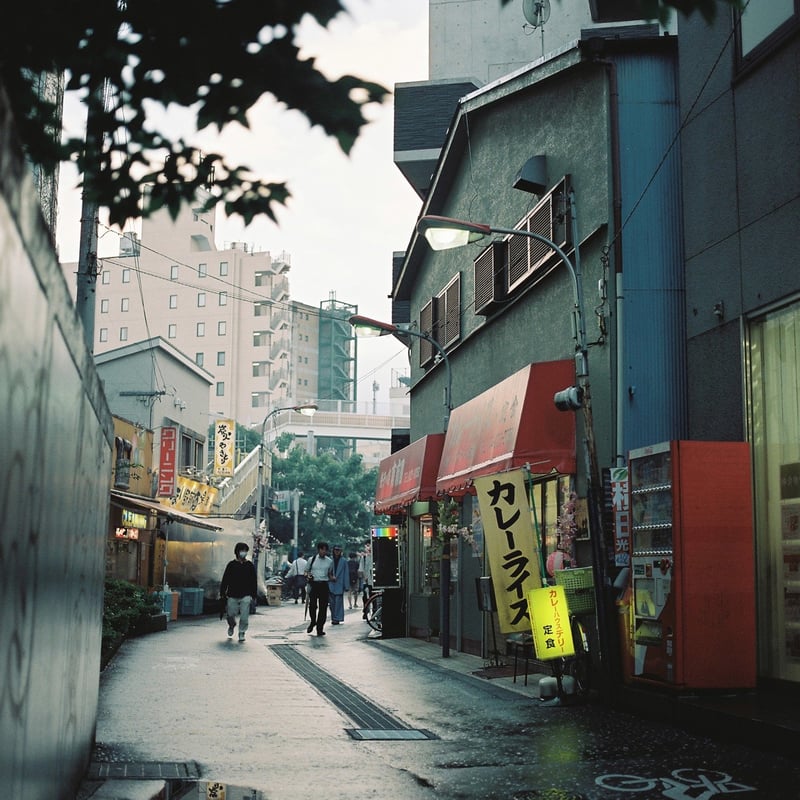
column 216, row 58
column 336, row 500
column 127, row 57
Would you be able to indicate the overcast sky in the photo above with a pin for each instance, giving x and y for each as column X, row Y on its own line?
column 347, row 214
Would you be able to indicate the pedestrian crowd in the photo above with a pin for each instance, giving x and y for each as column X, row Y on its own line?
column 321, row 583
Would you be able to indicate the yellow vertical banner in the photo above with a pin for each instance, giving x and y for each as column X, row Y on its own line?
column 510, row 546
column 224, row 441
column 552, row 634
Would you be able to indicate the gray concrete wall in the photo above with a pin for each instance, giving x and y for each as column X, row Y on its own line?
column 55, row 468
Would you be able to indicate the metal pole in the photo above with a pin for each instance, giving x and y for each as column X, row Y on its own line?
column 594, row 486
column 296, row 509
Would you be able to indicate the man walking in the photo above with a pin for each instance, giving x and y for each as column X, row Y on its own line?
column 297, row 575
column 318, row 573
column 240, row 587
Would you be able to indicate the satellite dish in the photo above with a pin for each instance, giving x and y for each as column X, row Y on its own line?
column 537, row 12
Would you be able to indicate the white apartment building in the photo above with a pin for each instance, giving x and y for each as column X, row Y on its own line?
column 227, row 310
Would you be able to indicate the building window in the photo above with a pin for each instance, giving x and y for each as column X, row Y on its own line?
column 223, row 267
column 173, row 272
column 260, row 369
column 106, row 276
column 173, row 301
column 221, row 358
column 261, row 338
column 104, row 306
column 202, row 270
column 124, row 304
column 201, row 299
column 123, row 334
column 172, row 331
column 220, row 388
column 261, row 309
column 763, row 24
column 201, row 329
column 262, row 279
column 223, row 298
column 199, row 358
column 103, row 334
column 222, row 327
column 126, row 275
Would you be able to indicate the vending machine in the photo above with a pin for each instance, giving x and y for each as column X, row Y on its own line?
column 693, row 610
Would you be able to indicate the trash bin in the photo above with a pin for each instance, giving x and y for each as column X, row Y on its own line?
column 176, row 600
column 393, row 613
column 274, row 591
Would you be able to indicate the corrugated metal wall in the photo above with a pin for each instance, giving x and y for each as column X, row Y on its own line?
column 653, row 366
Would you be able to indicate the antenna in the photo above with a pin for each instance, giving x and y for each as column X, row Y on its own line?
column 536, row 12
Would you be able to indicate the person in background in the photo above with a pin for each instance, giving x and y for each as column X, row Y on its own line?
column 297, row 575
column 338, row 585
column 366, row 570
column 318, row 572
column 239, row 587
column 354, row 577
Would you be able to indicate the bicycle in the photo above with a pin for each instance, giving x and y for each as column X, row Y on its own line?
column 577, row 666
column 373, row 609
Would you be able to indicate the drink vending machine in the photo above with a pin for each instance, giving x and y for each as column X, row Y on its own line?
column 692, row 565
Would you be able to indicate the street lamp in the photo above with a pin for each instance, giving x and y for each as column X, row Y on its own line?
column 444, row 233
column 364, row 326
column 307, row 409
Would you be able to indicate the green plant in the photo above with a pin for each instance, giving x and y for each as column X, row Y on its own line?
column 127, row 609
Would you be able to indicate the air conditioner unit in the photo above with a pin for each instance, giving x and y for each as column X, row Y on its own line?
column 490, row 277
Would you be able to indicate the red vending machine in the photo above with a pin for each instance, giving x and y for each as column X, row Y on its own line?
column 692, row 565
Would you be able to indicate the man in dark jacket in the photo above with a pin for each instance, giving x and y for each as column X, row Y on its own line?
column 239, row 587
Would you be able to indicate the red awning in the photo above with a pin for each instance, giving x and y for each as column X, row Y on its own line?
column 409, row 474
column 512, row 424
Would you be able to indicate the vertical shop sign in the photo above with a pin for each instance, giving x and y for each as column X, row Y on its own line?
column 224, row 439
column 166, row 463
column 619, row 505
column 552, row 634
column 510, row 546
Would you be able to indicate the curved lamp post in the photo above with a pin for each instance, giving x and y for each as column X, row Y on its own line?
column 444, row 233
column 364, row 326
column 308, row 410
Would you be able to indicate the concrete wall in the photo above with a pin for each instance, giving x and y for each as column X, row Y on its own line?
column 55, row 468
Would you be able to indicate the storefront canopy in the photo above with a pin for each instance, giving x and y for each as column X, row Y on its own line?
column 126, row 500
column 508, row 426
column 409, row 475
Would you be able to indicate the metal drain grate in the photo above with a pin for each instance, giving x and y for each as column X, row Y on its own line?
column 149, row 770
column 371, row 721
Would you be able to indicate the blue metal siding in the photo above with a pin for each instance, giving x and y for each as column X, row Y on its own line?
column 653, row 362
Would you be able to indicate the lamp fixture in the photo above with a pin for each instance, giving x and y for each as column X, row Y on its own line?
column 368, row 327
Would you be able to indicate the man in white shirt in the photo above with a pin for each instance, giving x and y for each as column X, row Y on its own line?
column 297, row 576
column 318, row 572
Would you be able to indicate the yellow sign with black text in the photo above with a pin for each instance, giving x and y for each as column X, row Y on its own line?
column 552, row 633
column 510, row 546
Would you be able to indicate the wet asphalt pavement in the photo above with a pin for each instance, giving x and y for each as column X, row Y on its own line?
column 245, row 724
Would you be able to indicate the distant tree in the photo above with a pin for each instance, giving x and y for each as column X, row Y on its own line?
column 336, row 500
column 129, row 58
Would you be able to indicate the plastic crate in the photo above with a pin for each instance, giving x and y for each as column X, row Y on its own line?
column 578, row 586
column 191, row 603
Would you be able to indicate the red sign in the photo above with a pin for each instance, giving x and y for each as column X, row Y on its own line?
column 409, row 474
column 166, row 465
